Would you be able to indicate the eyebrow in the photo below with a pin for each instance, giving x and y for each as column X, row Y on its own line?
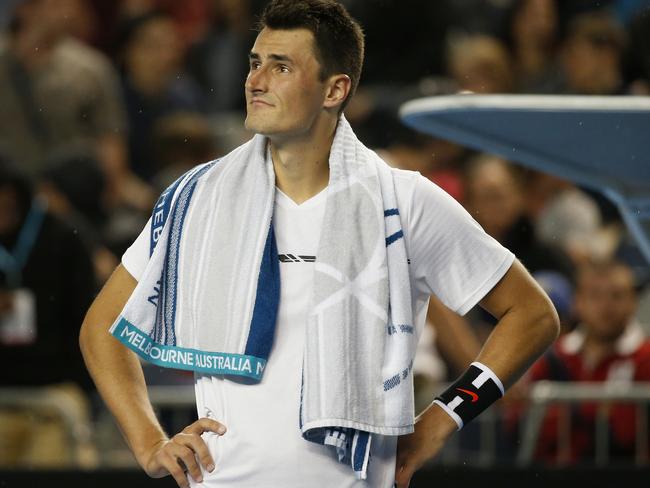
column 276, row 57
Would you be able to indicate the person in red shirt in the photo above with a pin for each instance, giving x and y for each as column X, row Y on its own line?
column 608, row 345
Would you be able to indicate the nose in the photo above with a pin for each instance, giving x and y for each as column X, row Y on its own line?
column 256, row 81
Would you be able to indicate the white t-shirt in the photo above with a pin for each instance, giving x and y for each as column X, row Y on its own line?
column 450, row 256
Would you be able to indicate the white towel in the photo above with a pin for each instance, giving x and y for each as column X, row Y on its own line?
column 208, row 298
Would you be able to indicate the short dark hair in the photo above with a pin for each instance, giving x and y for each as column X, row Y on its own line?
column 338, row 38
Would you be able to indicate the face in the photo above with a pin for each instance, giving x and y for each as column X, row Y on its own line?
column 592, row 65
column 284, row 92
column 482, row 66
column 493, row 197
column 46, row 17
column 535, row 23
column 155, row 48
column 605, row 302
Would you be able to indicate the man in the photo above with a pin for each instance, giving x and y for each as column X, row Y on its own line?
column 304, row 66
column 590, row 57
column 46, row 284
column 607, row 346
column 495, row 196
column 59, row 95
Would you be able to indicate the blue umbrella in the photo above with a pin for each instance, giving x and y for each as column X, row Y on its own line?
column 599, row 142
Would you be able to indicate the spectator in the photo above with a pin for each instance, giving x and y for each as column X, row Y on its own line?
column 494, row 195
column 190, row 16
column 45, row 258
column 81, row 20
column 47, row 282
column 219, row 61
column 532, row 35
column 57, row 93
column 153, row 82
column 474, row 16
column 567, row 217
column 638, row 54
column 590, row 57
column 181, row 141
column 402, row 147
column 608, row 346
column 480, row 64
column 75, row 191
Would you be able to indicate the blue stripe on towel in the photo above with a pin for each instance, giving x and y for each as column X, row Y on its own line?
column 262, row 329
column 391, row 211
column 393, row 237
column 171, row 260
column 164, row 329
column 359, row 455
column 160, row 213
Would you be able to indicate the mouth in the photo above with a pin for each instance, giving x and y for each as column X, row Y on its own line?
column 256, row 102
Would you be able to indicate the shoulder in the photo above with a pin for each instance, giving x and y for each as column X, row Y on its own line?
column 407, row 180
column 642, row 354
column 412, row 189
column 642, row 362
column 556, row 364
column 73, row 54
column 404, row 175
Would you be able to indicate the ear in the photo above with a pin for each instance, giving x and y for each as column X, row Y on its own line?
column 337, row 90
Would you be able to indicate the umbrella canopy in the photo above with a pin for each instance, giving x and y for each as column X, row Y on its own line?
column 599, row 142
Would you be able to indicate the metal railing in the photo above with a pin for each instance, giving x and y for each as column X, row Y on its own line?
column 44, row 400
column 178, row 400
column 546, row 393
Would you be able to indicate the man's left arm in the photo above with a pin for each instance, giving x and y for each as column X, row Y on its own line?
column 527, row 325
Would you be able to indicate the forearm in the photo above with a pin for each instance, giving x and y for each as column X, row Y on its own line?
column 112, row 153
column 527, row 325
column 116, row 371
column 124, row 186
column 520, row 337
column 118, row 376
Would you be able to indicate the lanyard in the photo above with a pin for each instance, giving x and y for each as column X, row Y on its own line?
column 12, row 263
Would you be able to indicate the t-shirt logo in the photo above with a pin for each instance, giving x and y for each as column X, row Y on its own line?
column 291, row 258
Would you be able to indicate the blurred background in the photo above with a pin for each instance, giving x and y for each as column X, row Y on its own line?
column 103, row 103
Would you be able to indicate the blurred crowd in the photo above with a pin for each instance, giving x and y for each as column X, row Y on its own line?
column 103, row 103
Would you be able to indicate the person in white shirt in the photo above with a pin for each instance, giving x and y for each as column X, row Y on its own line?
column 304, row 67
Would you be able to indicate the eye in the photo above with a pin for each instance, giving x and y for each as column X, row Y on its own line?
column 283, row 68
column 255, row 65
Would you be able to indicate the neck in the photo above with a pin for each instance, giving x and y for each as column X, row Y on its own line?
column 301, row 163
column 147, row 82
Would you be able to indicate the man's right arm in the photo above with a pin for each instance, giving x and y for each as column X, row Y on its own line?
column 118, row 376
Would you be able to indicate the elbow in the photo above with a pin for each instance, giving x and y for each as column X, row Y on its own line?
column 87, row 336
column 548, row 321
column 83, row 337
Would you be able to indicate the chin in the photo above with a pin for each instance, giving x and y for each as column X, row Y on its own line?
column 252, row 125
column 259, row 127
